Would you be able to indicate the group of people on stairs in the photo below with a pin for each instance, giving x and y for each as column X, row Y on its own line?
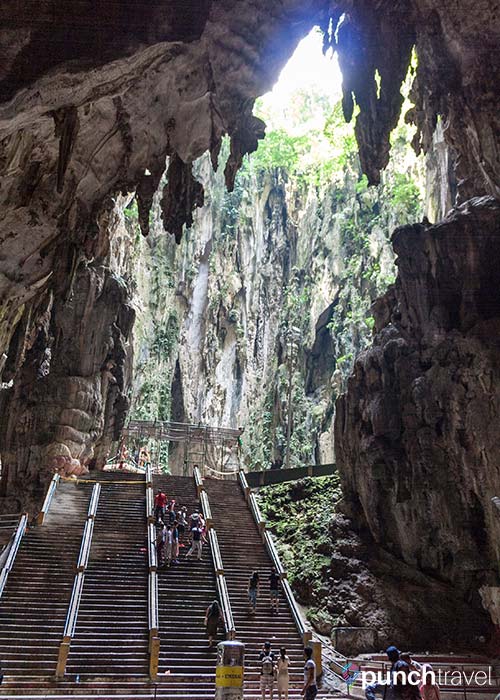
column 275, row 670
column 172, row 524
column 171, row 527
column 274, row 590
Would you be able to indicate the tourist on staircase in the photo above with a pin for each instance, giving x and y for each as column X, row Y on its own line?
column 196, row 543
column 429, row 690
column 310, row 689
column 253, row 591
column 182, row 521
column 175, row 543
column 267, row 671
column 283, row 674
column 160, row 505
column 213, row 616
column 161, row 538
column 171, row 515
column 274, row 586
column 169, row 545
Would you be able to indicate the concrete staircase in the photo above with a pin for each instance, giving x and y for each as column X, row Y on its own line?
column 184, row 592
column 112, row 629
column 243, row 552
column 35, row 600
column 109, row 652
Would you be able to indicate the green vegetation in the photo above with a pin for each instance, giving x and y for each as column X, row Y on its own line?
column 299, row 514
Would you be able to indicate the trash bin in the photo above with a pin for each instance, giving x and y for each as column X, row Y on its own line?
column 229, row 672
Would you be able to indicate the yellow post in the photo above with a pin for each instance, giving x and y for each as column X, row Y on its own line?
column 316, row 647
column 40, row 518
column 63, row 657
column 152, row 635
column 306, row 638
column 154, row 658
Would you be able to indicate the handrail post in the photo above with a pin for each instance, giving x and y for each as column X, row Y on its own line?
column 154, row 658
column 48, row 499
column 62, row 658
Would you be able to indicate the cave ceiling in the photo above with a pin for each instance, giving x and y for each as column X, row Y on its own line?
column 95, row 96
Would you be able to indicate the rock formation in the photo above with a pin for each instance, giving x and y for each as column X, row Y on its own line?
column 416, row 432
column 287, row 248
column 92, row 101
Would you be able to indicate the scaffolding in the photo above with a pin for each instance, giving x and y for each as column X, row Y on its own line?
column 215, row 450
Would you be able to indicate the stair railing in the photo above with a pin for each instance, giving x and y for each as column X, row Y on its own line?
column 14, row 547
column 48, row 499
column 153, row 612
column 300, row 623
column 206, row 510
column 198, row 480
column 220, row 578
column 244, row 484
column 79, row 580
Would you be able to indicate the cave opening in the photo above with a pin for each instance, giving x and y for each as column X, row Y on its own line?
column 255, row 308
column 262, row 264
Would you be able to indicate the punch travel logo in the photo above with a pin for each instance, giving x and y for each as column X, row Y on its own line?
column 350, row 672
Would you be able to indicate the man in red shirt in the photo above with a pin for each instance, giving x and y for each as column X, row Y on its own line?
column 160, row 505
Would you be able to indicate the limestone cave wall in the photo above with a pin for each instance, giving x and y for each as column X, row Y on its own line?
column 91, row 104
column 281, row 251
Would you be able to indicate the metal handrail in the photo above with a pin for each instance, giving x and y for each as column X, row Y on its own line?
column 74, row 605
column 198, row 480
column 152, row 555
column 76, row 593
column 254, row 507
column 273, row 553
column 83, row 557
column 153, row 615
column 216, row 555
column 94, row 501
column 48, row 499
column 153, row 605
column 14, row 547
column 227, row 612
column 207, row 511
column 149, row 503
column 244, row 484
column 297, row 616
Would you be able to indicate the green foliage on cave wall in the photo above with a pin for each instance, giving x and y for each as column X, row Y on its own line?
column 301, row 243
column 299, row 513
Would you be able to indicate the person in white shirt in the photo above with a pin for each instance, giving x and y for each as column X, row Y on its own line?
column 310, row 689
